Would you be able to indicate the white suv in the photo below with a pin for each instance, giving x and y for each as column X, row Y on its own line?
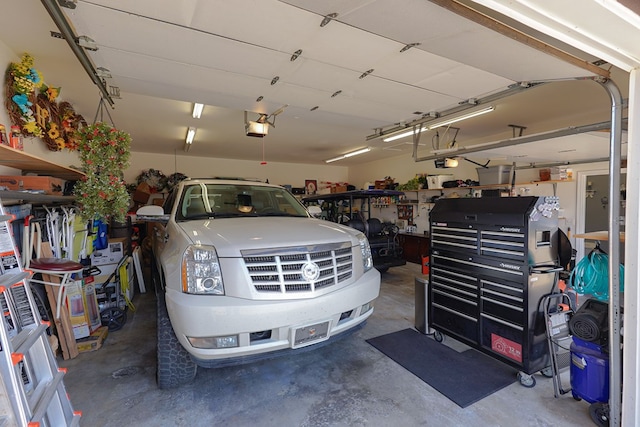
column 243, row 271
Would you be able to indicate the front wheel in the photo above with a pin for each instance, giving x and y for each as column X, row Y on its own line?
column 175, row 366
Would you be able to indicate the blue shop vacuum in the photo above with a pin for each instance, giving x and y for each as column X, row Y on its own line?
column 589, row 352
column 589, row 367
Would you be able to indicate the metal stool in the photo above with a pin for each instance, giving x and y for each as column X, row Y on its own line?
column 61, row 268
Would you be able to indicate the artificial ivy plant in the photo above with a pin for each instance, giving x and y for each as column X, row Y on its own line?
column 104, row 152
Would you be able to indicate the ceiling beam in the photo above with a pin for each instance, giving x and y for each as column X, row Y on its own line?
column 67, row 32
column 573, row 130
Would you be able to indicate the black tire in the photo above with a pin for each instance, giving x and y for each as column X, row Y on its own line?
column 175, row 366
column 599, row 412
column 114, row 318
column 383, row 270
column 438, row 336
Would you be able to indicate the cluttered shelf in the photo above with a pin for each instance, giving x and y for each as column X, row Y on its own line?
column 518, row 184
column 485, row 187
column 46, row 188
column 35, row 197
column 29, row 163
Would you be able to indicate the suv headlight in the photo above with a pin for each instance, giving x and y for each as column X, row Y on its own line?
column 201, row 271
column 367, row 259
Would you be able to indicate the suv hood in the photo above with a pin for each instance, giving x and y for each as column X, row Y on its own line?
column 231, row 235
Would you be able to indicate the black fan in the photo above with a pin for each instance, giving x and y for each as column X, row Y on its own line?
column 591, row 322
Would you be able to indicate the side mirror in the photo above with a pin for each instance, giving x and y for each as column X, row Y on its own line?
column 315, row 211
column 152, row 213
column 150, row 210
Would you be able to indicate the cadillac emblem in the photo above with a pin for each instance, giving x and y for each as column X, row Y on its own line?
column 310, row 271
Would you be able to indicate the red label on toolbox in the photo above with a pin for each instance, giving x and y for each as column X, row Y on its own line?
column 506, row 347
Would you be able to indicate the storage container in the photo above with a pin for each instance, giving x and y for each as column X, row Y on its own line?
column 435, row 181
column 45, row 184
column 494, row 175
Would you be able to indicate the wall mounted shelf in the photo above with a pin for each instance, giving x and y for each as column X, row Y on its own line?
column 29, row 163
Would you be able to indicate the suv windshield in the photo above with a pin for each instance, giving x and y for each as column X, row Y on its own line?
column 202, row 200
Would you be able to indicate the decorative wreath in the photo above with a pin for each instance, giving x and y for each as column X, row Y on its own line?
column 174, row 179
column 32, row 106
column 154, row 178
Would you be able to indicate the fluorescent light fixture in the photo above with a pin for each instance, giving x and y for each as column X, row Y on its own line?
column 197, row 110
column 403, row 134
column 444, row 122
column 355, row 153
column 460, row 118
column 191, row 133
column 351, row 154
column 335, row 159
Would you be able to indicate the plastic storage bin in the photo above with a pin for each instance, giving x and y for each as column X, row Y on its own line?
column 494, row 175
column 435, row 181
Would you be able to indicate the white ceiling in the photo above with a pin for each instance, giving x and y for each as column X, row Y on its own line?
column 164, row 55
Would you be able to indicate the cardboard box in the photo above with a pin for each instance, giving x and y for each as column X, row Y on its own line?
column 338, row 188
column 94, row 341
column 45, row 184
column 113, row 253
column 142, row 193
column 82, row 304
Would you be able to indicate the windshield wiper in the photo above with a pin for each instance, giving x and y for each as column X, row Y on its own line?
column 280, row 213
column 203, row 215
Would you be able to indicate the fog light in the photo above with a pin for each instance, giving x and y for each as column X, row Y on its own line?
column 214, row 342
column 368, row 306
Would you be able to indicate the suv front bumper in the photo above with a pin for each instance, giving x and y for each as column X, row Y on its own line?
column 204, row 316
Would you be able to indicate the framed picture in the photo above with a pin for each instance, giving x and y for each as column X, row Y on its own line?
column 311, row 185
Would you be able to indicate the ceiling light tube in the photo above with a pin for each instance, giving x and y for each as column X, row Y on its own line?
column 191, row 133
column 197, row 110
column 460, row 118
column 335, row 159
column 357, row 152
column 430, row 126
column 402, row 135
column 351, row 154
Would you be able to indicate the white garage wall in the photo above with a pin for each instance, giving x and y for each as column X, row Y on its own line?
column 202, row 167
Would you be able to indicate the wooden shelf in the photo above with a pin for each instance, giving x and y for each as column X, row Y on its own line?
column 480, row 187
column 29, row 163
column 35, row 197
column 517, row 184
column 597, row 235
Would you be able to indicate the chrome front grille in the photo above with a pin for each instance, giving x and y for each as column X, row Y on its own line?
column 280, row 270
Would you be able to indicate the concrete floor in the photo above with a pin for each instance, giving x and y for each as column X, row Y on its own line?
column 348, row 383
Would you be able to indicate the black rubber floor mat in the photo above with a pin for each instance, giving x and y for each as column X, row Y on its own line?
column 463, row 377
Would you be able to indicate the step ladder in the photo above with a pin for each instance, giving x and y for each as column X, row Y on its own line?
column 32, row 392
